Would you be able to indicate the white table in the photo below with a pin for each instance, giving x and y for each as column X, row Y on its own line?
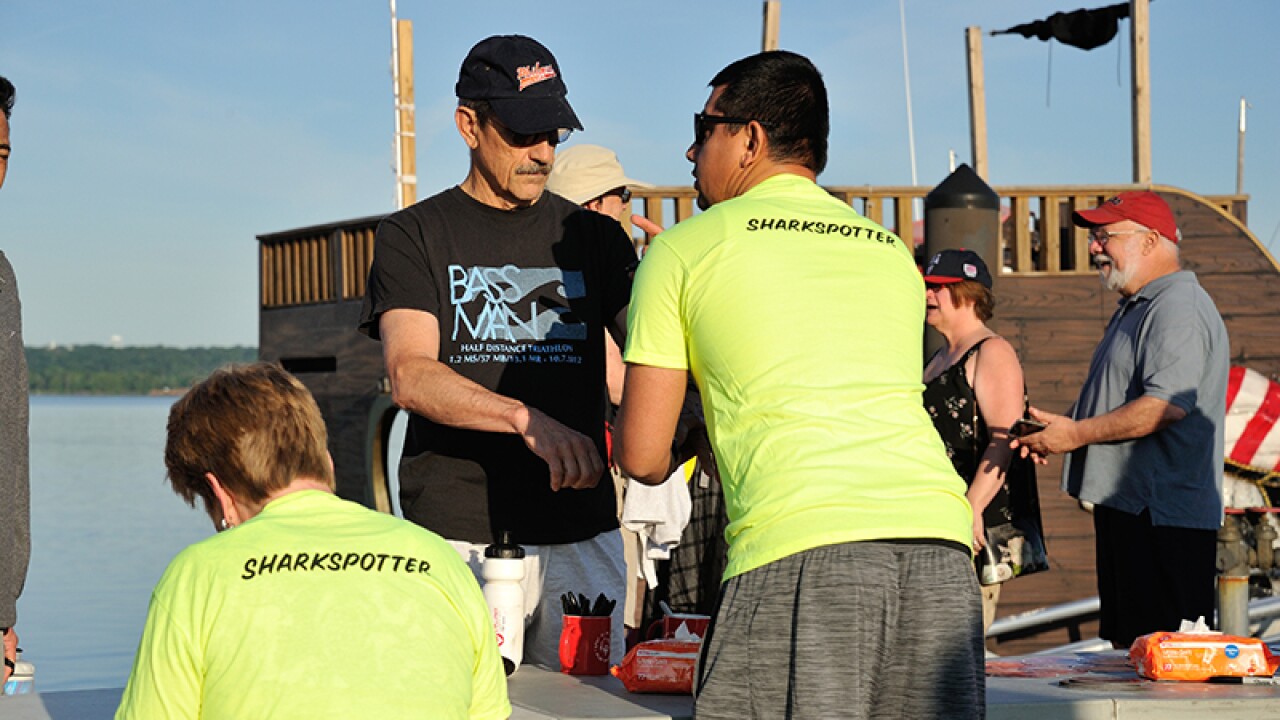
column 539, row 694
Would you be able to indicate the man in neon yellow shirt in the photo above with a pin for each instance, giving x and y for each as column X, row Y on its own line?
column 850, row 574
column 307, row 606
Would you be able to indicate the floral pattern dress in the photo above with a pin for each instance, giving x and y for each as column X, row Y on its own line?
column 1012, row 518
column 953, row 406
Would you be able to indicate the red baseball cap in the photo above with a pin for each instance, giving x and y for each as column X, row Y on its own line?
column 1141, row 206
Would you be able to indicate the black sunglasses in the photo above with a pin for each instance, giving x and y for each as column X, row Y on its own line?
column 703, row 124
column 523, row 140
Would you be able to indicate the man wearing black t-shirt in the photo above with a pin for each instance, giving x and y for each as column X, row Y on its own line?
column 491, row 300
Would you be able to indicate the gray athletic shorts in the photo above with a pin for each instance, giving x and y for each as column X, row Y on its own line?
column 858, row 630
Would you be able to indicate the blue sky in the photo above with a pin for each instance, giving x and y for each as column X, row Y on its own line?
column 153, row 139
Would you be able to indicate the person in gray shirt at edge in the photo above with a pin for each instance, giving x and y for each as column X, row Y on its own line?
column 1144, row 441
column 15, row 522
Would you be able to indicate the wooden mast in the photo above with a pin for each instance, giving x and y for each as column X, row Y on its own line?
column 402, row 89
column 977, row 100
column 1240, row 150
column 407, row 177
column 1139, row 13
column 772, row 20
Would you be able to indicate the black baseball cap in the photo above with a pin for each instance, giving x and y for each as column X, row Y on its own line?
column 953, row 266
column 522, row 82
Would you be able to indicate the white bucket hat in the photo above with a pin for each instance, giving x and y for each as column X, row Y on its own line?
column 585, row 172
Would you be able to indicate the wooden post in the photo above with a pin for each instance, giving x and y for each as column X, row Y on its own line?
column 977, row 100
column 407, row 179
column 1240, row 151
column 772, row 20
column 1051, row 232
column 1139, row 14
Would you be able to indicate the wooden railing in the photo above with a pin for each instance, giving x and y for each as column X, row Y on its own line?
column 330, row 263
column 318, row 264
column 1026, row 214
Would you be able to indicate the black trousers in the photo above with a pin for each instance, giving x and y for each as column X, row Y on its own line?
column 1150, row 577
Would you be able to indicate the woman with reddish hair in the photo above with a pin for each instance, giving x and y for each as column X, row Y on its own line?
column 974, row 391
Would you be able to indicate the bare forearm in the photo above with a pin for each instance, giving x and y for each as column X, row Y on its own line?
column 990, row 475
column 1136, row 418
column 644, row 458
column 419, row 382
column 647, row 422
column 654, row 473
column 434, row 391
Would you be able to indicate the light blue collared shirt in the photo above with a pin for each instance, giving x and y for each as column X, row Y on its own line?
column 1166, row 341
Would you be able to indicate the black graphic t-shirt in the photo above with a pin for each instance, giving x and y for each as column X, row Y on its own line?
column 522, row 298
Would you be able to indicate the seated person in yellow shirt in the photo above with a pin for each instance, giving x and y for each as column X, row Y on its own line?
column 303, row 605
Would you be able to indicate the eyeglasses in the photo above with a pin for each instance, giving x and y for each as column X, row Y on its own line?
column 703, row 124
column 1102, row 237
column 624, row 194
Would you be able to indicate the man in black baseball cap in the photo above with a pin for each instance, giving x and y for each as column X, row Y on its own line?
column 492, row 300
column 522, row 83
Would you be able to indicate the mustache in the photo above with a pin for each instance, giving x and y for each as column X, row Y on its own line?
column 1101, row 259
column 533, row 169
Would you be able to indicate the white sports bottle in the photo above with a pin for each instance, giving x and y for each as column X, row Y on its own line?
column 503, row 569
column 22, row 681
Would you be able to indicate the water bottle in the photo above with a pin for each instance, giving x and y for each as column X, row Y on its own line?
column 22, row 681
column 503, row 569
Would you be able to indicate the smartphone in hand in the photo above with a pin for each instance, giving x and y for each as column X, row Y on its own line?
column 1025, row 426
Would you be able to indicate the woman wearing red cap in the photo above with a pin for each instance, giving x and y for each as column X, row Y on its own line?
column 974, row 392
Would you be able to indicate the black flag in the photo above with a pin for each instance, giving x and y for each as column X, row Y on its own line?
column 1085, row 29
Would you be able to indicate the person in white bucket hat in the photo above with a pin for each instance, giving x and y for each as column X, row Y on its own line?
column 591, row 176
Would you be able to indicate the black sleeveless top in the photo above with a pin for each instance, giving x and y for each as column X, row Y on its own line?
column 953, row 406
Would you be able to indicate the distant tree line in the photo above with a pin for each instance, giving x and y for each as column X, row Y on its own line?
column 101, row 370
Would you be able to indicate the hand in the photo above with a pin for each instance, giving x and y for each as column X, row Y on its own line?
column 1059, row 435
column 646, row 224
column 571, row 457
column 979, row 531
column 10, row 653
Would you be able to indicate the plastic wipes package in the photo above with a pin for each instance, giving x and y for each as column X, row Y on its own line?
column 660, row 666
column 1197, row 656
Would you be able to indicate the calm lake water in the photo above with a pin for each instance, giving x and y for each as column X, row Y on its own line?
column 104, row 525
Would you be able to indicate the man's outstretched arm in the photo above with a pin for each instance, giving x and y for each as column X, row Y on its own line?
column 651, row 402
column 426, row 386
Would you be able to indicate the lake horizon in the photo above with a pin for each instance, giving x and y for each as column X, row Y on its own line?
column 104, row 525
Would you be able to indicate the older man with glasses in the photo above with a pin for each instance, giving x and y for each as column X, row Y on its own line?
column 850, row 589
column 492, row 300
column 1144, row 441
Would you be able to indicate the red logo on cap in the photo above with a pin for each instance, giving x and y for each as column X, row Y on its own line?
column 534, row 75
